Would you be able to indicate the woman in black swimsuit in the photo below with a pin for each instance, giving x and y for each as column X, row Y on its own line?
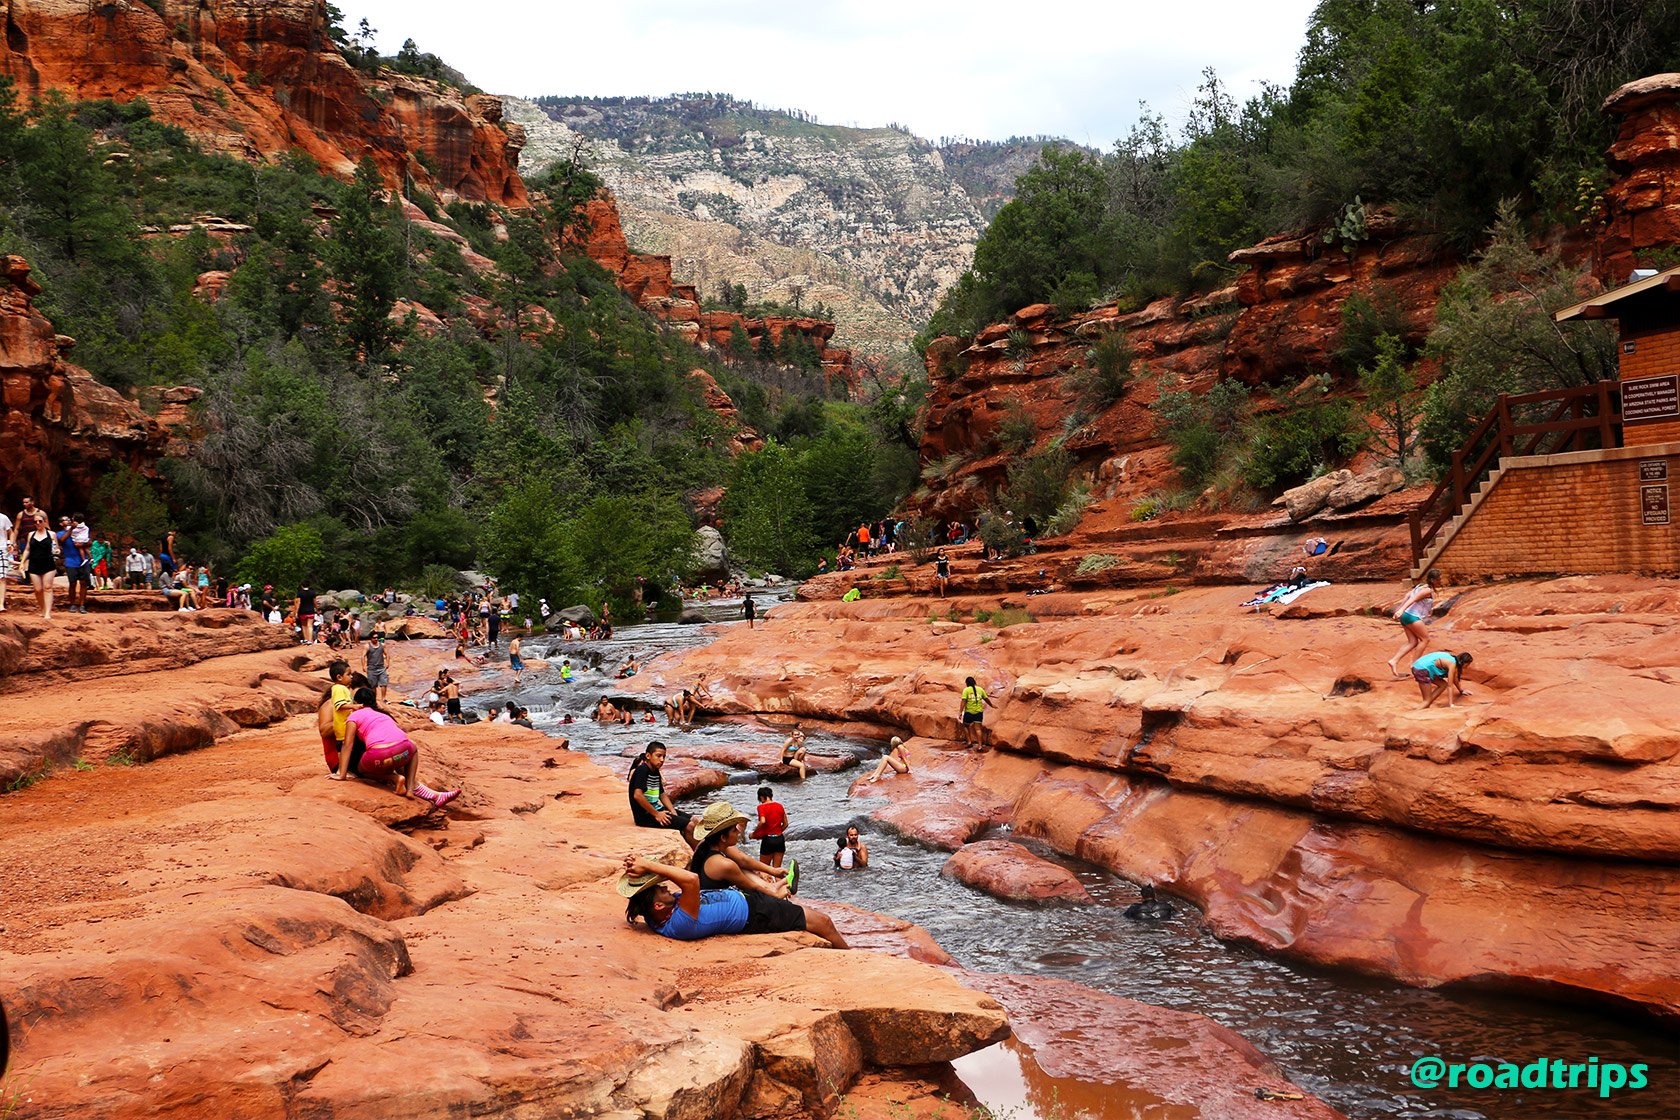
column 40, row 566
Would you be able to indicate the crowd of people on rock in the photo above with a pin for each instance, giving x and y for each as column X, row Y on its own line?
column 37, row 553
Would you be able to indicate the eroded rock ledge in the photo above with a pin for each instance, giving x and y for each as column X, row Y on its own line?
column 225, row 932
column 1270, row 769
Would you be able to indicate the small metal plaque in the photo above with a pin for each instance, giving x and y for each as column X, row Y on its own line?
column 1653, row 504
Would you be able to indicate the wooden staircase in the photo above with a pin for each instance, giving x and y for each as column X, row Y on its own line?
column 1585, row 418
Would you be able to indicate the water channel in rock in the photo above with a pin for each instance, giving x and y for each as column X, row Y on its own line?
column 1347, row 1038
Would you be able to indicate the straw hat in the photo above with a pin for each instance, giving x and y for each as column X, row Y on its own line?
column 718, row 816
column 629, row 886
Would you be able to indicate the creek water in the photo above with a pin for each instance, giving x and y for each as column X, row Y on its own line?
column 1347, row 1038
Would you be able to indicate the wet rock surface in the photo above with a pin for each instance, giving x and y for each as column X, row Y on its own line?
column 1269, row 768
column 1011, row 872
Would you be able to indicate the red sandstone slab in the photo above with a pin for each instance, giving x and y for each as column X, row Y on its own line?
column 1011, row 872
column 1169, row 1063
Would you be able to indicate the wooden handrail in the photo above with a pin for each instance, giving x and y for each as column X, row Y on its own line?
column 1577, row 414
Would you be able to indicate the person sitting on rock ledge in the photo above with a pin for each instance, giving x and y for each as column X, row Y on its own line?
column 793, row 750
column 688, row 913
column 377, row 749
column 1148, row 908
column 896, row 758
column 631, row 668
column 719, row 860
column 650, row 801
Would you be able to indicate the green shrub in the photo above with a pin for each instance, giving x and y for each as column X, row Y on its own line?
column 1067, row 515
column 1300, row 441
column 1106, row 373
column 1202, row 428
column 1001, row 533
column 290, row 556
column 1017, row 431
column 1038, row 484
column 1018, row 344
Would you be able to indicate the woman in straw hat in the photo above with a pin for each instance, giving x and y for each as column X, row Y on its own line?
column 720, row 862
column 670, row 901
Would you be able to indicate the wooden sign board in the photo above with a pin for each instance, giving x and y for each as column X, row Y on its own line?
column 1651, row 398
column 1653, row 504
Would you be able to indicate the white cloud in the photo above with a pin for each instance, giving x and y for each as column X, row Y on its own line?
column 980, row 68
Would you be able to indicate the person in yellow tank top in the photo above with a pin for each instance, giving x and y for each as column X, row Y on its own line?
column 975, row 701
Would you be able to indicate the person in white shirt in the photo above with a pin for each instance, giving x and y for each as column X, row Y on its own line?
column 7, row 564
column 135, row 565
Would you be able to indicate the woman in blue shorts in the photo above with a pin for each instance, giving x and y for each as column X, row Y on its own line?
column 1413, row 615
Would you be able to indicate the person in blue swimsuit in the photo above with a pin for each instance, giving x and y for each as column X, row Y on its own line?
column 1437, row 673
column 671, row 902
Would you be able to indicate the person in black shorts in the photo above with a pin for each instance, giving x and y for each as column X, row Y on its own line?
column 303, row 609
column 749, row 610
column 770, row 832
column 941, row 570
column 650, row 802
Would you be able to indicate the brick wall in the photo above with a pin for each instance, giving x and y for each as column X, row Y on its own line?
column 1577, row 513
column 1656, row 351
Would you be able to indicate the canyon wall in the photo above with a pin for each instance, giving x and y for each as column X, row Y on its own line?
column 60, row 430
column 869, row 221
column 1277, row 325
column 258, row 78
column 647, row 279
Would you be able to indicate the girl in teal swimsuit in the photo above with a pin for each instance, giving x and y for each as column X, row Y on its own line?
column 1413, row 615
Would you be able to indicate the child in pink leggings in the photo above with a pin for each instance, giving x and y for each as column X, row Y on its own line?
column 376, row 749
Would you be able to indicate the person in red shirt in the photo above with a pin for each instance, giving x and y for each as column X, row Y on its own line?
column 770, row 832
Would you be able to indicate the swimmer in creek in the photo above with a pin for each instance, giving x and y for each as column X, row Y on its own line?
column 1148, row 908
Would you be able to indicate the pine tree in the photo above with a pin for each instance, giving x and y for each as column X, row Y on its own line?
column 365, row 254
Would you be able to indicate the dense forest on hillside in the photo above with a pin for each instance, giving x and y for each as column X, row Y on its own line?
column 1439, row 110
column 554, row 440
column 1475, row 122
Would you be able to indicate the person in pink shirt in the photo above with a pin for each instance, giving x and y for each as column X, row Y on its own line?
column 377, row 749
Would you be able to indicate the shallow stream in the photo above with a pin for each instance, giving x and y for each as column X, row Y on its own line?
column 1347, row 1038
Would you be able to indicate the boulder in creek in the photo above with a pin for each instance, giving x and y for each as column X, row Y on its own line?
column 711, row 554
column 1008, row 871
column 580, row 615
column 1309, row 497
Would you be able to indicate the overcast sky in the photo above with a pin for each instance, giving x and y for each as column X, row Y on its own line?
column 978, row 68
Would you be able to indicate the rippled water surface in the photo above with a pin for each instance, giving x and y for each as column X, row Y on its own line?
column 1347, row 1038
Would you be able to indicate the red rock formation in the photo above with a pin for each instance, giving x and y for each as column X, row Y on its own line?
column 1269, row 768
column 1642, row 206
column 1011, row 872
column 1206, row 1070
column 257, row 78
column 60, row 430
column 742, row 437
column 316, row 958
column 1277, row 325
column 646, row 278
